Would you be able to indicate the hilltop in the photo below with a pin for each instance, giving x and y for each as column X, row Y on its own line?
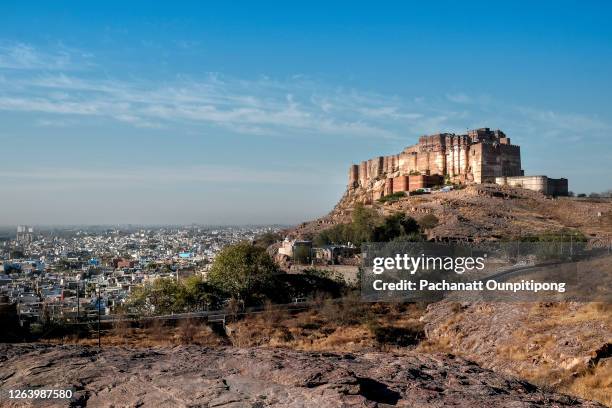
column 480, row 212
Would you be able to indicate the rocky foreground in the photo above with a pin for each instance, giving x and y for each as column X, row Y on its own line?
column 194, row 376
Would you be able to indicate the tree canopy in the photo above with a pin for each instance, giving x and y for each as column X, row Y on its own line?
column 166, row 295
column 242, row 270
column 368, row 226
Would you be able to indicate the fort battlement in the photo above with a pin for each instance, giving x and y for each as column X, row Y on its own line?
column 479, row 156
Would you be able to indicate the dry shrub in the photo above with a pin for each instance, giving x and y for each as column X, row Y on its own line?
column 233, row 307
column 329, row 310
column 310, row 325
column 157, row 330
column 281, row 336
column 320, row 298
column 398, row 336
column 595, row 383
column 243, row 334
column 349, row 310
column 187, row 331
column 122, row 329
column 439, row 345
column 353, row 338
column 273, row 316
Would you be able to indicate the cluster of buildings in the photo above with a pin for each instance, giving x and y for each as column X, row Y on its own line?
column 70, row 273
column 479, row 156
column 304, row 252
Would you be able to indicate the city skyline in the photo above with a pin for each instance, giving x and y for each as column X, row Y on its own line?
column 251, row 114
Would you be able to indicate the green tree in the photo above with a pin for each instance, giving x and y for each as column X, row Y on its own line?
column 268, row 238
column 243, row 271
column 162, row 296
column 166, row 295
column 368, row 226
column 301, row 254
column 200, row 295
column 364, row 222
column 338, row 234
column 394, row 226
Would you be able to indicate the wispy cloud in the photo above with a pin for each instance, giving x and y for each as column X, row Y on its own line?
column 459, row 98
column 260, row 106
column 20, row 56
column 165, row 175
column 44, row 84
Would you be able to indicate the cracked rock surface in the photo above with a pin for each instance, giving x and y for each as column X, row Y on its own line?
column 195, row 376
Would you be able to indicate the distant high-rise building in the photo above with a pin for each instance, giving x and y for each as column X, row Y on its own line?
column 25, row 234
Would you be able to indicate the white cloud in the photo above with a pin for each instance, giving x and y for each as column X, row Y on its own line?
column 19, row 56
column 459, row 98
column 44, row 85
column 565, row 121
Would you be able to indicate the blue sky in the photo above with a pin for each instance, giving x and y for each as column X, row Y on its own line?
column 251, row 112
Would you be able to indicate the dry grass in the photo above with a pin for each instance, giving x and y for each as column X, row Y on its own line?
column 122, row 330
column 595, row 383
column 552, row 345
column 551, row 365
column 349, row 325
column 155, row 334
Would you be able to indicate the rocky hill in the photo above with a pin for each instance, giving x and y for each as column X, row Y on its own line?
column 193, row 376
column 565, row 345
column 481, row 212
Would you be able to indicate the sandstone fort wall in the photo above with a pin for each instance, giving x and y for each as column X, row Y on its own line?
column 479, row 156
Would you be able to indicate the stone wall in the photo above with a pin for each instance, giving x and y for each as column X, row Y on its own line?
column 495, row 160
column 476, row 157
column 542, row 184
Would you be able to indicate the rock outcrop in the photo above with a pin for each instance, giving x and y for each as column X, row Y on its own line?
column 561, row 344
column 257, row 377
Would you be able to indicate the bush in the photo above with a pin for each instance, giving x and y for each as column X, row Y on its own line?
column 392, row 197
column 398, row 336
column 338, row 234
column 188, row 329
column 412, row 237
column 267, row 239
column 394, row 226
column 368, row 226
column 364, row 220
column 350, row 310
column 285, row 287
column 162, row 296
column 564, row 235
column 428, row 221
column 324, row 273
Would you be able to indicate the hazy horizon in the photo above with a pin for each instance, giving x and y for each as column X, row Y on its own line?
column 244, row 113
